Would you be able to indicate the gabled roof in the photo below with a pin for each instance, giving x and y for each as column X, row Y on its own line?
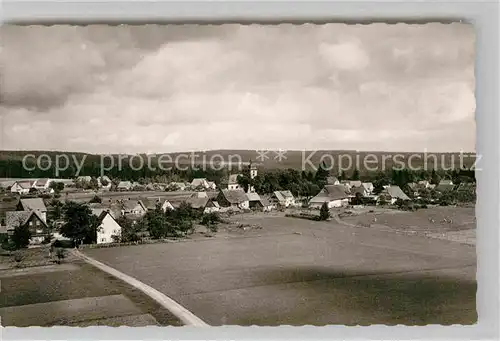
column 16, row 218
column 103, row 215
column 41, row 182
column 196, row 202
column 131, row 204
column 33, row 204
column 150, row 203
column 198, row 182
column 124, row 184
column 234, row 196
column 444, row 187
column 334, row 192
column 252, row 196
column 446, row 182
column 233, row 179
column 466, row 186
column 24, row 184
column 283, row 195
column 412, row 185
column 396, row 192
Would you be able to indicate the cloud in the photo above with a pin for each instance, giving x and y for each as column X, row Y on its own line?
column 173, row 88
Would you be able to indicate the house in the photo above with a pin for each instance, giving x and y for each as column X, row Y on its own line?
column 332, row 180
column 361, row 190
column 6, row 184
column 150, row 203
column 32, row 219
column 201, row 183
column 233, row 182
column 235, row 198
column 98, row 208
column 392, row 194
column 33, row 204
column 22, row 187
column 283, row 198
column 211, row 185
column 107, row 228
column 368, row 187
column 211, row 206
column 124, row 186
column 332, row 195
column 257, row 202
column 176, row 186
column 445, row 186
column 42, row 184
column 133, row 207
column 166, row 205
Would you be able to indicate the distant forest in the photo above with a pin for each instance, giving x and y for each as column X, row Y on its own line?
column 449, row 165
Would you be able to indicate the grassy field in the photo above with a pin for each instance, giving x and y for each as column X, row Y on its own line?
column 74, row 294
column 292, row 271
column 438, row 222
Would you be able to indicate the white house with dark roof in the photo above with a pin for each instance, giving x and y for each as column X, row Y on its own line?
column 107, row 228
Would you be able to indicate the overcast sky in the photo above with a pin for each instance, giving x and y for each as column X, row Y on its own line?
column 128, row 89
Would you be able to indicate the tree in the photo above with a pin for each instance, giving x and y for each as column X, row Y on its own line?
column 93, row 184
column 56, row 186
column 322, row 173
column 21, row 236
column 210, row 220
column 355, row 174
column 79, row 223
column 55, row 211
column 324, row 212
column 18, row 258
column 130, row 231
column 435, row 178
column 95, row 200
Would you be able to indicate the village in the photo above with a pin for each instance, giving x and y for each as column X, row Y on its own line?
column 36, row 204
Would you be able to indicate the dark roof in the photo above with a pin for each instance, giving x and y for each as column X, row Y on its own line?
column 444, row 187
column 41, row 182
column 150, row 203
column 282, row 195
column 14, row 218
column 131, row 204
column 196, row 202
column 33, row 204
column 235, row 196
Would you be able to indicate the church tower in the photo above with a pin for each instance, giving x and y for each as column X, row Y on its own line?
column 253, row 174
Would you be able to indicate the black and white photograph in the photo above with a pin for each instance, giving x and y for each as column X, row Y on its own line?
column 248, row 175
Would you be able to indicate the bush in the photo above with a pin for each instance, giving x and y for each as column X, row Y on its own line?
column 324, row 212
column 60, row 254
column 18, row 258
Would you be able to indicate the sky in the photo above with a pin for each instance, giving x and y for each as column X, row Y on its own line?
column 160, row 89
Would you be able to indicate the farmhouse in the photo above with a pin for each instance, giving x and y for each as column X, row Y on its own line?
column 150, row 203
column 332, row 195
column 202, row 183
column 392, row 194
column 42, row 184
column 257, row 202
column 133, row 207
column 124, row 186
column 33, row 204
column 283, row 198
column 32, row 219
column 107, row 228
column 236, row 198
column 233, row 182
column 22, row 187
